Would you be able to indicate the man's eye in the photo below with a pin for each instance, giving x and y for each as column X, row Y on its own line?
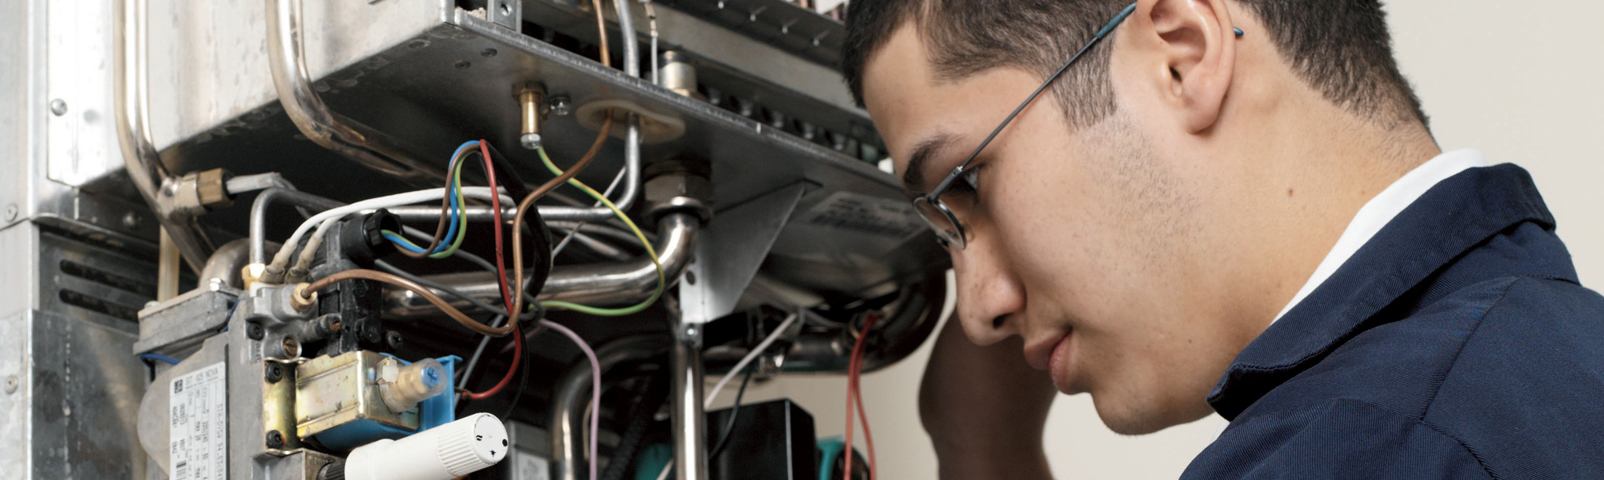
column 968, row 181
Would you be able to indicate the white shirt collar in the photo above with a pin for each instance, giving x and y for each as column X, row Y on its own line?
column 1382, row 208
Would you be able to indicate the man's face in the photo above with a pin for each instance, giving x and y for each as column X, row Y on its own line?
column 1082, row 241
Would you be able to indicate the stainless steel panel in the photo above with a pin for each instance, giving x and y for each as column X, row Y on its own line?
column 85, row 392
column 15, row 393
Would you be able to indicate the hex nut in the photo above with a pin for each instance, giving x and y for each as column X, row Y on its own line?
column 301, row 300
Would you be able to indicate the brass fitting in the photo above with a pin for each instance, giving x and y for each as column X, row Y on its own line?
column 303, row 300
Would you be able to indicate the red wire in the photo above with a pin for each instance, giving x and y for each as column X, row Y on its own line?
column 495, row 205
column 501, row 272
column 517, row 354
column 854, row 393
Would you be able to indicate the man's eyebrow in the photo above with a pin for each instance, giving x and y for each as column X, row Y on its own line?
column 914, row 179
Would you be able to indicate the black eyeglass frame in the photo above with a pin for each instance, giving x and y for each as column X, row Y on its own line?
column 953, row 234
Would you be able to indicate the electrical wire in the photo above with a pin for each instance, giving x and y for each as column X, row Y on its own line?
column 414, row 287
column 605, row 193
column 157, row 357
column 495, row 206
column 595, row 386
column 752, row 355
column 529, row 200
column 454, row 203
column 650, row 251
column 445, row 209
column 601, row 33
column 735, row 412
column 517, row 355
column 854, row 395
column 282, row 258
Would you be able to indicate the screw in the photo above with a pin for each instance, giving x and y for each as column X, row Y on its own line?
column 274, row 374
column 560, row 105
column 11, row 212
column 291, row 347
column 11, row 384
column 275, row 439
column 393, row 338
column 253, row 331
column 58, row 107
column 131, row 220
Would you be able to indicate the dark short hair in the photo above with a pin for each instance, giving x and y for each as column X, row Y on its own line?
column 1340, row 47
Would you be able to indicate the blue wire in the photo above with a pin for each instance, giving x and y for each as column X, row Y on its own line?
column 157, row 357
column 454, row 209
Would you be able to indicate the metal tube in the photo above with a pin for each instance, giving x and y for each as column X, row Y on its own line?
column 690, row 429
column 259, row 214
column 131, row 86
column 225, row 264
column 616, row 283
column 573, row 393
column 292, row 79
column 632, row 138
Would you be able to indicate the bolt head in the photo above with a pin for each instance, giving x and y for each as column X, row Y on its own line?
column 274, row 373
column 253, row 331
column 275, row 439
column 560, row 105
column 530, row 141
column 58, row 107
column 131, row 220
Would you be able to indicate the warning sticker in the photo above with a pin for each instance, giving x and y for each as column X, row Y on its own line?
column 865, row 214
column 198, row 425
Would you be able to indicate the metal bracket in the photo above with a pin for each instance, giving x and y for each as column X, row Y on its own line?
column 508, row 14
column 730, row 251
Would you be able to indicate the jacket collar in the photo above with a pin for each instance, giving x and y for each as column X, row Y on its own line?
column 1452, row 218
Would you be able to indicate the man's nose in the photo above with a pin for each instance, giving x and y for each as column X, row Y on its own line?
column 990, row 297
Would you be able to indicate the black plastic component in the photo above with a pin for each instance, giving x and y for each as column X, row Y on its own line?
column 771, row 441
column 362, row 239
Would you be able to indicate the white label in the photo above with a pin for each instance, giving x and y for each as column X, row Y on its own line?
column 198, row 425
column 530, row 467
column 867, row 215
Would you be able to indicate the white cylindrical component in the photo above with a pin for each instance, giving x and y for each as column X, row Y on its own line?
column 441, row 453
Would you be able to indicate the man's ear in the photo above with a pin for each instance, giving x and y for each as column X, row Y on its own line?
column 1196, row 43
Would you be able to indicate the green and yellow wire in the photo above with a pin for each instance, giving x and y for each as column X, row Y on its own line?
column 652, row 252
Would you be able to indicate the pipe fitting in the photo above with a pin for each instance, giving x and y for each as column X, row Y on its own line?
column 679, row 191
column 302, row 300
column 531, row 100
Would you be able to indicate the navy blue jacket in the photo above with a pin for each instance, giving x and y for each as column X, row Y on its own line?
column 1457, row 343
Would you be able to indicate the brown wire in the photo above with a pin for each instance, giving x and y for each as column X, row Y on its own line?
column 453, row 312
column 529, row 200
column 445, row 204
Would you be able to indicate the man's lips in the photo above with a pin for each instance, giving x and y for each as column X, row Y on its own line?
column 1040, row 353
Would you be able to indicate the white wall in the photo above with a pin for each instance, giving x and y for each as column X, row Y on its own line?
column 1522, row 81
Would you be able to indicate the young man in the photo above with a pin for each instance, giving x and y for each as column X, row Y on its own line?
column 1230, row 206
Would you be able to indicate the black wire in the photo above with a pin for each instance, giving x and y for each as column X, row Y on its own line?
column 514, row 184
column 735, row 411
column 523, row 381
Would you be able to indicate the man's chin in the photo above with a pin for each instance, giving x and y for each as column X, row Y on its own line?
column 1127, row 418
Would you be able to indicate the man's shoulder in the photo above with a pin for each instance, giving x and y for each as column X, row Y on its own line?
column 1505, row 373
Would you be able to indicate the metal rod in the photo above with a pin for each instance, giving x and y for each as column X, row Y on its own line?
column 259, row 214
column 613, row 283
column 690, row 429
column 292, row 79
column 573, row 394
column 131, row 86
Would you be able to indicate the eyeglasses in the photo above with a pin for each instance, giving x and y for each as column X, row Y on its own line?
column 949, row 231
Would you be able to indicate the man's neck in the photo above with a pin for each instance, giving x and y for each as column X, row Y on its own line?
column 1318, row 171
